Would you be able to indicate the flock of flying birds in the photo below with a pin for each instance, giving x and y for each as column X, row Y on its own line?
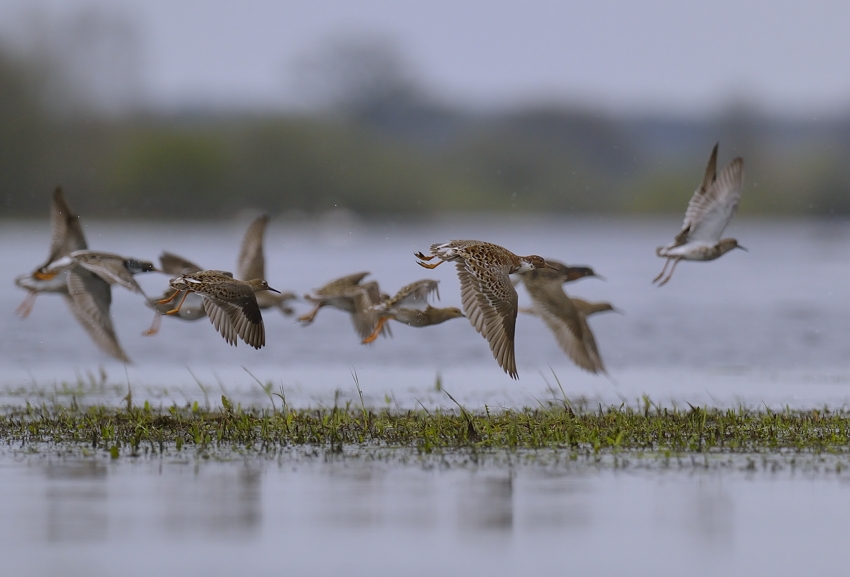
column 490, row 303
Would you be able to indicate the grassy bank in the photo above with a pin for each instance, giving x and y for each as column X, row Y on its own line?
column 580, row 431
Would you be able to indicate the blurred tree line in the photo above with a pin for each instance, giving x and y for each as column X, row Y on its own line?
column 382, row 147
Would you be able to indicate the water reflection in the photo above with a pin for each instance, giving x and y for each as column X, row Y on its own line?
column 194, row 517
column 211, row 501
column 485, row 503
column 76, row 499
column 712, row 517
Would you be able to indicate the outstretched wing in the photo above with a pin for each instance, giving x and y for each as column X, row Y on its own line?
column 175, row 265
column 89, row 298
column 241, row 319
column 66, row 234
column 568, row 324
column 713, row 203
column 412, row 296
column 490, row 303
column 109, row 267
column 252, row 262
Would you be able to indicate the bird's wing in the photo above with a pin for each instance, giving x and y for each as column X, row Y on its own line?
column 364, row 318
column 89, row 298
column 713, row 205
column 241, row 319
column 110, row 267
column 567, row 323
column 252, row 263
column 490, row 303
column 66, row 234
column 412, row 296
column 340, row 284
column 175, row 265
column 220, row 320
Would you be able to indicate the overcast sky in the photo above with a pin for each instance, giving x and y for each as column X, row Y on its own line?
column 620, row 55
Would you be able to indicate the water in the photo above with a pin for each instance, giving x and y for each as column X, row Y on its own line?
column 769, row 327
column 93, row 518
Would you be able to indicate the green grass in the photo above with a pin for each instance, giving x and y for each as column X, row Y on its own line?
column 578, row 430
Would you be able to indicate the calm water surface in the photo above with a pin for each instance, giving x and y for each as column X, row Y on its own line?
column 93, row 517
column 768, row 327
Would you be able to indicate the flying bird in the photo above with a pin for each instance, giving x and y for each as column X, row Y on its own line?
column 710, row 210
column 489, row 298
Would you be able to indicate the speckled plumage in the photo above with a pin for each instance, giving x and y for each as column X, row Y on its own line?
column 488, row 296
column 230, row 304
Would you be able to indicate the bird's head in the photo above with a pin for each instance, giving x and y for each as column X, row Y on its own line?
column 728, row 244
column 533, row 262
column 259, row 284
column 139, row 266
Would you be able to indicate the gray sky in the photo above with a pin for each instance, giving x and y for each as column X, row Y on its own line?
column 623, row 56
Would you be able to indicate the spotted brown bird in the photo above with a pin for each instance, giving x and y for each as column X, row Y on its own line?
column 488, row 296
column 230, row 304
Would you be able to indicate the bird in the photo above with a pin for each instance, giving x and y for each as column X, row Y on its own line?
column 565, row 317
column 112, row 268
column 89, row 275
column 230, row 304
column 347, row 294
column 489, row 298
column 66, row 236
column 252, row 264
column 193, row 304
column 709, row 211
column 410, row 306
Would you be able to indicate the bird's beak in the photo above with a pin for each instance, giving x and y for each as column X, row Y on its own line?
column 742, row 248
column 274, row 290
column 600, row 277
column 619, row 311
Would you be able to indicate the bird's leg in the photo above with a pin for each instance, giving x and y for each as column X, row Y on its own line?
column 176, row 309
column 154, row 328
column 663, row 270
column 308, row 318
column 25, row 308
column 421, row 256
column 426, row 265
column 169, row 299
column 371, row 338
column 666, row 280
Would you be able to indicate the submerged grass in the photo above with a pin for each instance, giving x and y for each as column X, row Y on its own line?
column 562, row 426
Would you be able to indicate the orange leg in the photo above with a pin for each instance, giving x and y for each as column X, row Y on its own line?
column 421, row 256
column 176, row 309
column 666, row 280
column 154, row 328
column 371, row 338
column 25, row 308
column 426, row 265
column 169, row 299
column 663, row 270
column 308, row 318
